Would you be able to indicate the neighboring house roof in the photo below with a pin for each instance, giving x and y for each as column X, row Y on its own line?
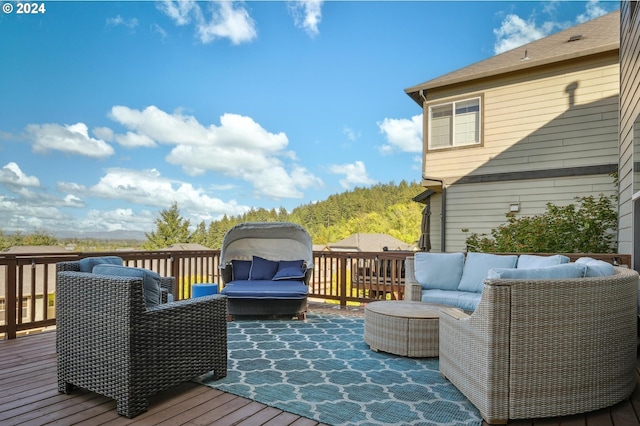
column 369, row 242
column 596, row 36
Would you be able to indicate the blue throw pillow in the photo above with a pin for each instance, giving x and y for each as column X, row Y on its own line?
column 290, row 270
column 537, row 261
column 565, row 270
column 438, row 270
column 240, row 269
column 150, row 280
column 262, row 269
column 476, row 268
column 87, row 264
column 595, row 267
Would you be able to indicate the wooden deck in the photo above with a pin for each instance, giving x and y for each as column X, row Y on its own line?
column 29, row 396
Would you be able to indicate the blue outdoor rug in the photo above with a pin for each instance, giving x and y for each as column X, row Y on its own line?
column 322, row 369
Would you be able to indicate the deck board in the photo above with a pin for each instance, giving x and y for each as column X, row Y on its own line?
column 29, row 396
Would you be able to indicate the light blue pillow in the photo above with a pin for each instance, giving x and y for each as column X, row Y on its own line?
column 87, row 264
column 565, row 270
column 537, row 261
column 595, row 267
column 290, row 270
column 477, row 266
column 262, row 269
column 150, row 280
column 438, row 270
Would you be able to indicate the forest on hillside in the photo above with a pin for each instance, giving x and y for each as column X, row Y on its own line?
column 381, row 208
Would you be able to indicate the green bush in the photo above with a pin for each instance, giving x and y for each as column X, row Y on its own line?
column 589, row 228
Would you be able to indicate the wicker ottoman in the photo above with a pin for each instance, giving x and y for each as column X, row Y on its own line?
column 402, row 327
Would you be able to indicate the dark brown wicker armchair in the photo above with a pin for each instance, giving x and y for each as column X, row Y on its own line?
column 108, row 342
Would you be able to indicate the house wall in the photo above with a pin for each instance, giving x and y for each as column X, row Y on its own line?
column 549, row 135
column 629, row 112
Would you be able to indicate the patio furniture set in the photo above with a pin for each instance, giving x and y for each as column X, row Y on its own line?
column 520, row 337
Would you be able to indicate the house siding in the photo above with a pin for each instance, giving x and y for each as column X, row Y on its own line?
column 629, row 110
column 479, row 208
column 562, row 116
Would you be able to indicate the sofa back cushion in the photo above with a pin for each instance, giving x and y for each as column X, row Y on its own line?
column 87, row 264
column 566, row 270
column 477, row 266
column 595, row 267
column 262, row 269
column 438, row 270
column 537, row 261
column 150, row 280
column 240, row 269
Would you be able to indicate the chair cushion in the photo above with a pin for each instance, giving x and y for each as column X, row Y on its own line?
column 240, row 269
column 266, row 289
column 566, row 270
column 87, row 264
column 262, row 269
column 465, row 300
column 290, row 270
column 537, row 261
column 595, row 267
column 438, row 270
column 150, row 280
column 476, row 268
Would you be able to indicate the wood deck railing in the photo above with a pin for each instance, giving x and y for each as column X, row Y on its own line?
column 27, row 280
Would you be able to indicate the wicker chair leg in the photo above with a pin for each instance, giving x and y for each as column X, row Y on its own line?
column 302, row 316
column 65, row 387
column 131, row 407
column 496, row 421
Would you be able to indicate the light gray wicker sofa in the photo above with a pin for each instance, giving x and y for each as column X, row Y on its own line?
column 109, row 342
column 543, row 347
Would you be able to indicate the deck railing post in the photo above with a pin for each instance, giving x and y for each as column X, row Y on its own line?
column 11, row 302
column 342, row 285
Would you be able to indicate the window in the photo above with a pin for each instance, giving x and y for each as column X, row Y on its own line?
column 454, row 124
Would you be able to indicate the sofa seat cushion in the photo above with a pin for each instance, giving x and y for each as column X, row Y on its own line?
column 150, row 280
column 87, row 264
column 266, row 289
column 438, row 270
column 538, row 261
column 477, row 266
column 566, row 270
column 465, row 300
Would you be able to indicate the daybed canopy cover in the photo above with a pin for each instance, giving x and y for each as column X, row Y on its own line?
column 270, row 240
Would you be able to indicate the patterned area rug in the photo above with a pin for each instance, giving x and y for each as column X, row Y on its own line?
column 322, row 369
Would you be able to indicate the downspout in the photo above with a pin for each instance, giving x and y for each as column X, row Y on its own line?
column 443, row 208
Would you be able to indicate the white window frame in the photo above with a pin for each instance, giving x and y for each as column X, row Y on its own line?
column 455, row 116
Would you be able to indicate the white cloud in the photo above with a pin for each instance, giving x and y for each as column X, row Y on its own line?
column 223, row 19
column 71, row 139
column 593, row 10
column 12, row 177
column 355, row 174
column 351, row 134
column 239, row 148
column 516, row 31
column 403, row 134
column 132, row 140
column 149, row 188
column 307, row 15
column 120, row 21
column 104, row 133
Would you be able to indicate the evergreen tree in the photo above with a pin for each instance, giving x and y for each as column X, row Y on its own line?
column 171, row 228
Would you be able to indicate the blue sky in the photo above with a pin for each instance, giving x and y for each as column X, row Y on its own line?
column 112, row 111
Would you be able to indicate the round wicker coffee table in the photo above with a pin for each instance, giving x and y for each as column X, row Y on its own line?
column 403, row 327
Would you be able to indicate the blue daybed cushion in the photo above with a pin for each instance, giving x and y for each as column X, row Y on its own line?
column 537, row 261
column 290, row 270
column 476, row 268
column 595, row 267
column 266, row 289
column 150, row 280
column 240, row 269
column 87, row 264
column 438, row 270
column 566, row 270
column 262, row 269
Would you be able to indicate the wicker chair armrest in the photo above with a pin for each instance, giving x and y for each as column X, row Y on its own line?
column 456, row 313
column 412, row 288
column 168, row 284
column 73, row 266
